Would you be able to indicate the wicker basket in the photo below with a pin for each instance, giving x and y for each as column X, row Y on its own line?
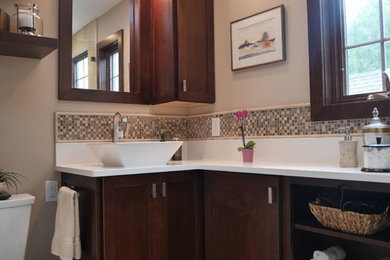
column 349, row 221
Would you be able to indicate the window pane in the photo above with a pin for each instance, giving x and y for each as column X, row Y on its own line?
column 85, row 65
column 115, row 84
column 80, row 69
column 363, row 74
column 361, row 21
column 386, row 17
column 115, row 64
column 387, row 57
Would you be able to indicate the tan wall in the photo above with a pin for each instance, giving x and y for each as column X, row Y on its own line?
column 28, row 99
column 85, row 40
column 276, row 84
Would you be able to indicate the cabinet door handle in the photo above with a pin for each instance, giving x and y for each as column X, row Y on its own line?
column 154, row 190
column 184, row 85
column 270, row 195
column 164, row 189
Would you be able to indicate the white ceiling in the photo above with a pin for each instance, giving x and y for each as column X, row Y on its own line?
column 84, row 11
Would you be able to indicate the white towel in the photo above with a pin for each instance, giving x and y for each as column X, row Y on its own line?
column 332, row 253
column 66, row 241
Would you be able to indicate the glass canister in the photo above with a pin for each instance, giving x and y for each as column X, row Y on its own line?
column 26, row 20
column 376, row 132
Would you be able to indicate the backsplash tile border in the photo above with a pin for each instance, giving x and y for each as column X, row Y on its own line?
column 286, row 121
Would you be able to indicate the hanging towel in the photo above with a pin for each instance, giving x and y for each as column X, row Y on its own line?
column 66, row 241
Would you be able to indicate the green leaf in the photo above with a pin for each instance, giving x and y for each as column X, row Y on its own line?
column 250, row 145
column 240, row 149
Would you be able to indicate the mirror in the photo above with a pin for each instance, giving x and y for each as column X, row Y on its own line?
column 104, row 51
column 99, row 52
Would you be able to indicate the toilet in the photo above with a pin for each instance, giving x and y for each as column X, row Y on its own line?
column 14, row 222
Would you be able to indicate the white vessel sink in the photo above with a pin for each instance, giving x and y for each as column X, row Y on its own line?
column 134, row 154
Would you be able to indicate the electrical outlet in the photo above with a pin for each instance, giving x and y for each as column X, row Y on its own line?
column 51, row 190
column 215, row 126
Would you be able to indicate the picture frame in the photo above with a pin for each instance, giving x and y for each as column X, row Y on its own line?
column 258, row 39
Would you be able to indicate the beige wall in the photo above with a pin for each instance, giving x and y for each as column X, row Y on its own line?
column 28, row 99
column 85, row 40
column 276, row 84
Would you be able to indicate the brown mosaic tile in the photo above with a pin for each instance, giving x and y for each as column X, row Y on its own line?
column 294, row 121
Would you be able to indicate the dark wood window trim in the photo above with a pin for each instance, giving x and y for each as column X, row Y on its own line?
column 111, row 44
column 76, row 59
column 326, row 61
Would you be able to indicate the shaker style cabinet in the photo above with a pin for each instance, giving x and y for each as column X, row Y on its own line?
column 183, row 51
column 242, row 218
column 153, row 216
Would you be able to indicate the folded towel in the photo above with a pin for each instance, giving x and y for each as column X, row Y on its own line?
column 66, row 240
column 332, row 253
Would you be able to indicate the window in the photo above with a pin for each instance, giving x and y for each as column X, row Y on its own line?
column 111, row 63
column 80, row 71
column 114, row 71
column 349, row 49
column 366, row 45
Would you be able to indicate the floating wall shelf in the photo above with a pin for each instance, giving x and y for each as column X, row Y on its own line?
column 26, row 46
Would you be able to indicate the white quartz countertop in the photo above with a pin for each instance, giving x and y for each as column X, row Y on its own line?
column 308, row 171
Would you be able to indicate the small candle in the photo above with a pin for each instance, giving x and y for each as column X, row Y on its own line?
column 25, row 20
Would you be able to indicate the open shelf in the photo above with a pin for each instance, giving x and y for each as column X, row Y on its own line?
column 26, row 46
column 381, row 239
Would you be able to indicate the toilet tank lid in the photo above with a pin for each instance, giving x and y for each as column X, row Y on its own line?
column 17, row 200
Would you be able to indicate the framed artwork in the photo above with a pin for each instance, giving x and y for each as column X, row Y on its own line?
column 258, row 39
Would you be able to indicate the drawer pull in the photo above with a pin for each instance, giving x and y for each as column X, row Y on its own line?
column 270, row 195
column 184, row 85
column 164, row 189
column 154, row 190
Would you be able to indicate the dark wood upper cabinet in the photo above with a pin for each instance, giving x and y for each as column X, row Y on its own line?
column 242, row 219
column 183, row 51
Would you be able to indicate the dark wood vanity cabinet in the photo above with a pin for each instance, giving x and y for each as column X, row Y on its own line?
column 303, row 234
column 242, row 219
column 153, row 216
column 215, row 215
column 183, row 51
column 141, row 217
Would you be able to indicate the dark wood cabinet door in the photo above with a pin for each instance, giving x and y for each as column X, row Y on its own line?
column 240, row 222
column 181, row 216
column 130, row 217
column 195, row 34
column 183, row 51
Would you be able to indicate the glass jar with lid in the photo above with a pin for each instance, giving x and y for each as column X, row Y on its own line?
column 26, row 20
column 376, row 132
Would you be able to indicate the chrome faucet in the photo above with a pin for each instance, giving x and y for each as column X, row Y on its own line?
column 118, row 132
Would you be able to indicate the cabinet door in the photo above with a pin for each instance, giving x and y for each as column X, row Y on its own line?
column 240, row 222
column 181, row 216
column 130, row 217
column 195, row 34
column 164, row 52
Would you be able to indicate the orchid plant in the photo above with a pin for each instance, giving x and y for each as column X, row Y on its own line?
column 240, row 115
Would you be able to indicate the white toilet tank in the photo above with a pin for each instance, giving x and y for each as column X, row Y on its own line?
column 14, row 222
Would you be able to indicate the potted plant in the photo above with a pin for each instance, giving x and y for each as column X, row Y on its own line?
column 247, row 148
column 8, row 180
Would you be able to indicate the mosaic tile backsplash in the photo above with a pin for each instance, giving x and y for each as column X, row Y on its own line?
column 291, row 121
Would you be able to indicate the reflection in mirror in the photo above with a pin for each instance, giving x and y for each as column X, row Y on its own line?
column 99, row 51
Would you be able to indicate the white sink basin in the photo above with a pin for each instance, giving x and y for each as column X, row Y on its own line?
column 135, row 154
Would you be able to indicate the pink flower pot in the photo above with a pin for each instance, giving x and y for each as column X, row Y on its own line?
column 247, row 156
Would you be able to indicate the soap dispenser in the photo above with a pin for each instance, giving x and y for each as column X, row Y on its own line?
column 348, row 150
